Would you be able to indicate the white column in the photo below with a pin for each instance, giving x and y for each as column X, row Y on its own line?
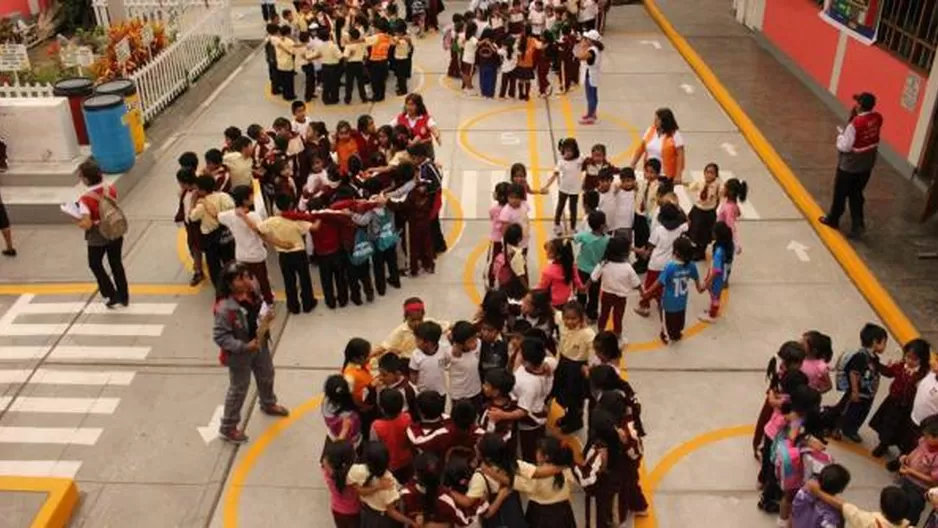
column 838, row 62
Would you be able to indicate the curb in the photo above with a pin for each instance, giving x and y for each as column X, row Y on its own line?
column 61, row 498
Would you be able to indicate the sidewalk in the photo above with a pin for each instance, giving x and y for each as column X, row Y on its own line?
column 790, row 116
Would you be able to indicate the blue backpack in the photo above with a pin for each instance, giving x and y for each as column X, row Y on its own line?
column 386, row 236
column 363, row 248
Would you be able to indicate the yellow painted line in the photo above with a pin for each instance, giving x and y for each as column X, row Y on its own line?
column 182, row 249
column 257, row 447
column 874, row 292
column 61, row 498
column 469, row 275
column 317, row 103
column 536, row 242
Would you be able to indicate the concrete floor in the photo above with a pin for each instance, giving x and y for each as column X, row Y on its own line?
column 153, row 380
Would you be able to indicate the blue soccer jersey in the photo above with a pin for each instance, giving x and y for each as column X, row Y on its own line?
column 718, row 267
column 676, row 279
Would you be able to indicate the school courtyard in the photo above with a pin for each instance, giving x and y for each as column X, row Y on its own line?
column 125, row 404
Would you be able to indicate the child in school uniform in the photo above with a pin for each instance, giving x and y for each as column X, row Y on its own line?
column 186, row 177
column 509, row 62
column 721, row 261
column 451, row 43
column 567, row 174
column 391, row 430
column 501, row 412
column 703, row 215
column 377, row 488
column 548, row 497
column 646, row 208
column 270, row 56
column 622, row 223
column 461, row 359
column 673, row 282
column 215, row 167
column 285, row 48
column 427, row 360
column 599, row 473
column 431, row 433
column 592, row 245
column 617, row 279
column 469, row 43
column 574, row 346
column 671, row 225
column 354, row 55
column 534, row 380
column 493, row 350
column 337, row 460
column 403, row 57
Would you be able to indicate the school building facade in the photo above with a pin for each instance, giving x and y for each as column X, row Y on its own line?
column 844, row 47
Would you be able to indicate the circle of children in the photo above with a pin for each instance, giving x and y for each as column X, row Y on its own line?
column 359, row 45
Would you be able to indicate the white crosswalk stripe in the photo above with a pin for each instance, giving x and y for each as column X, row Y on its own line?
column 90, row 322
column 747, row 209
column 475, row 191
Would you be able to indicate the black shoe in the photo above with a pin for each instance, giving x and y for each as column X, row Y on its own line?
column 396, row 284
column 112, row 303
column 893, row 466
column 311, row 307
column 381, row 293
column 196, row 279
column 330, row 305
column 572, row 425
column 357, row 301
column 293, row 309
column 828, row 222
column 880, row 450
column 857, row 231
column 370, row 296
column 768, row 506
column 854, row 437
column 9, row 252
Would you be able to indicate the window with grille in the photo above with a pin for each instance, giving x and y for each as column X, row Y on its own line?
column 909, row 29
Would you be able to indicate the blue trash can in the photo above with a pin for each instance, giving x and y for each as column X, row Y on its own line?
column 109, row 132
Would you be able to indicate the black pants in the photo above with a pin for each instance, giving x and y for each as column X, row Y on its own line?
column 274, row 75
column 386, row 271
column 562, row 200
column 268, row 11
column 508, row 85
column 402, row 71
column 216, row 253
column 854, row 413
column 436, row 234
column 849, row 186
column 116, row 291
column 916, row 496
column 332, row 274
column 360, row 280
column 309, row 92
column 701, row 230
column 295, row 266
column 589, row 299
column 378, row 72
column 355, row 72
column 329, row 77
column 287, row 84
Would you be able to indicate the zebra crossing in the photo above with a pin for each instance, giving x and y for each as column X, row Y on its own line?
column 474, row 190
column 40, row 380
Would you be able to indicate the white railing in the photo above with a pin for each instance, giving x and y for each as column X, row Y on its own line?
column 173, row 13
column 25, row 90
column 170, row 73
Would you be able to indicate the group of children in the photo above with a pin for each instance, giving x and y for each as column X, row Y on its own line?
column 799, row 479
column 343, row 201
column 625, row 216
column 521, row 42
column 333, row 45
column 394, row 457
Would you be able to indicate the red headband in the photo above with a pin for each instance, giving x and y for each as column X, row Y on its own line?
column 413, row 307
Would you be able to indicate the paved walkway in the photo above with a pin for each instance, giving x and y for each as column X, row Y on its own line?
column 781, row 105
column 124, row 402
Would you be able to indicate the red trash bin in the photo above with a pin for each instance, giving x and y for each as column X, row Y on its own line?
column 76, row 89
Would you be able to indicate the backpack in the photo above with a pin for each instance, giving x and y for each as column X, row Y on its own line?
column 502, row 267
column 363, row 248
column 842, row 380
column 786, row 458
column 448, row 39
column 386, row 236
column 112, row 222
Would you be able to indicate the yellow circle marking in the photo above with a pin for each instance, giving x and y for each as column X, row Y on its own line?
column 470, row 124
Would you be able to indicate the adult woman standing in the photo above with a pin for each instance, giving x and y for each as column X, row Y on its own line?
column 663, row 142
column 99, row 242
column 418, row 121
column 589, row 51
column 241, row 330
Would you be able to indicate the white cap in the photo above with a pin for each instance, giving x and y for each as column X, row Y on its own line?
column 593, row 35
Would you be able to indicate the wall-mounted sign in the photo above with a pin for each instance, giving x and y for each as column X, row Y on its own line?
column 859, row 18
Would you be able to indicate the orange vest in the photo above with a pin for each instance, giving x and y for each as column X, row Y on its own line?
column 668, row 152
column 379, row 50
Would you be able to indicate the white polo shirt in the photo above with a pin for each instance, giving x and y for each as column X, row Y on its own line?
column 926, row 398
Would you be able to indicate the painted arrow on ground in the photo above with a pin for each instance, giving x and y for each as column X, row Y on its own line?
column 729, row 148
column 653, row 43
column 210, row 431
column 800, row 250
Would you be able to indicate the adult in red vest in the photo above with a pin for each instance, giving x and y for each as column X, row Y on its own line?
column 418, row 121
column 857, row 145
column 89, row 206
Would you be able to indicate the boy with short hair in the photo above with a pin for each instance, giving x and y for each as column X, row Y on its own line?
column 300, row 122
column 188, row 194
column 893, row 505
column 249, row 243
column 239, row 162
column 215, row 167
column 646, row 208
column 810, row 512
column 354, row 54
column 231, row 134
column 592, row 245
column 393, row 375
column 285, row 48
column 391, row 430
column 534, row 380
column 493, row 351
column 862, row 375
column 270, row 56
column 461, row 359
column 673, row 283
column 292, row 255
column 215, row 240
column 426, row 362
column 432, row 433
column 501, row 413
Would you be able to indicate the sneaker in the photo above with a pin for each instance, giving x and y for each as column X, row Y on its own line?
column 112, row 303
column 893, row 466
column 275, row 410
column 9, row 252
column 233, row 435
column 196, row 279
column 768, row 506
column 644, row 312
column 706, row 318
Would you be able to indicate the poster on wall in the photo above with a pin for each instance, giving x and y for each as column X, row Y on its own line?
column 859, row 18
